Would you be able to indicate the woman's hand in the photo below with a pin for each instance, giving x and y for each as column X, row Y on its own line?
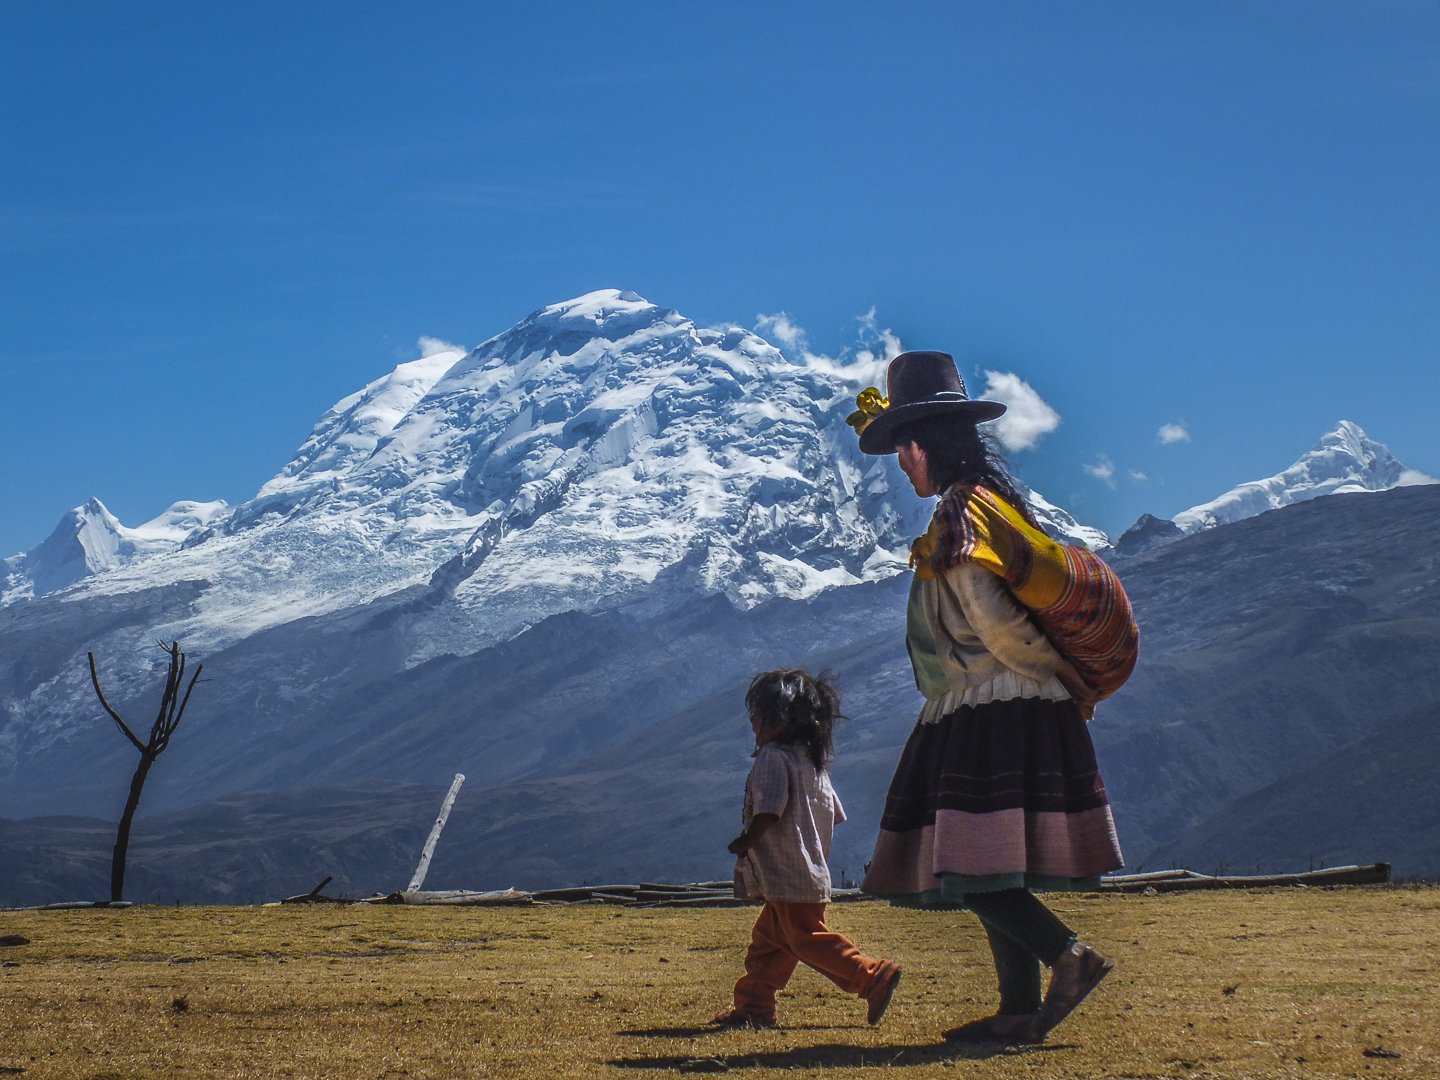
column 1076, row 687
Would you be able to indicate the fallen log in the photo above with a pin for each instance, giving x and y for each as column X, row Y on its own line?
column 457, row 898
column 580, row 892
column 314, row 897
column 78, row 905
column 716, row 900
column 1173, row 880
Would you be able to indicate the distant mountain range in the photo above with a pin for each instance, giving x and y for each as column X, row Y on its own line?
column 1345, row 460
column 553, row 562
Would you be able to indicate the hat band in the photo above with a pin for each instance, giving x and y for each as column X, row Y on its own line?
column 938, row 395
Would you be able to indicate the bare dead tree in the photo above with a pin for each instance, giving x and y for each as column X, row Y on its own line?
column 172, row 710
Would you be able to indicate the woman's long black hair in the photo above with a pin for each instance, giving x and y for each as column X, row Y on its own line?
column 957, row 451
column 802, row 709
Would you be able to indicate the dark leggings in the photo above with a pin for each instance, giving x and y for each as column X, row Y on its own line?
column 1023, row 934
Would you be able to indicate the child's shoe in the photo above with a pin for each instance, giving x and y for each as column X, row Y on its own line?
column 882, row 990
column 736, row 1018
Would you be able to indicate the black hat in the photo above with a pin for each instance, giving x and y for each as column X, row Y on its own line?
column 919, row 384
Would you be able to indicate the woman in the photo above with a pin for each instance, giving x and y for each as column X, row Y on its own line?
column 997, row 790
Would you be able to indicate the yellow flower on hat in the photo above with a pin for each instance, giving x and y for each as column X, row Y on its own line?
column 871, row 404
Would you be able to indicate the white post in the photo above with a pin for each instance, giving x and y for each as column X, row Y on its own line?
column 420, row 871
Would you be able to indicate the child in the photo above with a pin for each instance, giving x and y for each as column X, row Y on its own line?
column 790, row 812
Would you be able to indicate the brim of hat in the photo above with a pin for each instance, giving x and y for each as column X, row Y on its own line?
column 879, row 436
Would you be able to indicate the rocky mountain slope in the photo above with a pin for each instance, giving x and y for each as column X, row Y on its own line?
column 1262, row 672
column 1373, row 798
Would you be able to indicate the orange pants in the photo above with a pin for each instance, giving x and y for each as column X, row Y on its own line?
column 784, row 936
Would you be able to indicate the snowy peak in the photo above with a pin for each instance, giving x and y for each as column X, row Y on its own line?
column 417, row 444
column 1344, row 460
column 90, row 540
column 86, row 541
column 177, row 524
column 623, row 438
column 612, row 313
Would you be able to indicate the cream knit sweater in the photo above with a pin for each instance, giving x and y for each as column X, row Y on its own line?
column 983, row 644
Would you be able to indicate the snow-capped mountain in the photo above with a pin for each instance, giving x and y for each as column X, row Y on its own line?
column 1345, row 460
column 601, row 449
column 90, row 540
column 561, row 465
column 604, row 454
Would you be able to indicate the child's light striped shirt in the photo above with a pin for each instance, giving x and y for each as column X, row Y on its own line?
column 788, row 862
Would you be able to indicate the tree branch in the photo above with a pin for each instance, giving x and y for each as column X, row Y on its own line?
column 124, row 728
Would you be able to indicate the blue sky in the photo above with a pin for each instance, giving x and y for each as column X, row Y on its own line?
column 216, row 220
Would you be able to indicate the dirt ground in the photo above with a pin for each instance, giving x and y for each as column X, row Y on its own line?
column 1290, row 982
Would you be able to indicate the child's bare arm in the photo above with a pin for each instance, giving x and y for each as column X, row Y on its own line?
column 756, row 829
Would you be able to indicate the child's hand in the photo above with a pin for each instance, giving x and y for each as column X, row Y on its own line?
column 759, row 825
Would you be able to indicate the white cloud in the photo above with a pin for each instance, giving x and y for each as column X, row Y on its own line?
column 780, row 328
column 860, row 364
column 1027, row 417
column 1414, row 478
column 1173, row 433
column 878, row 345
column 1138, row 477
column 430, row 346
column 1103, row 470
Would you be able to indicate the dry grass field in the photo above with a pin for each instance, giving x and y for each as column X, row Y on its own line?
column 1280, row 983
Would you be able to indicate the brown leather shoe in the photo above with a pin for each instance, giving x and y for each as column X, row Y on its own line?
column 1004, row 1029
column 1078, row 971
column 886, row 980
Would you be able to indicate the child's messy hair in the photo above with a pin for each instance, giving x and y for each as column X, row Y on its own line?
column 802, row 708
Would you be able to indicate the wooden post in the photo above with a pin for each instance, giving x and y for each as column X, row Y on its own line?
column 418, row 878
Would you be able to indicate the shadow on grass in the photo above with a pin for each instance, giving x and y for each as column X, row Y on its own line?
column 833, row 1056
column 708, row 1029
